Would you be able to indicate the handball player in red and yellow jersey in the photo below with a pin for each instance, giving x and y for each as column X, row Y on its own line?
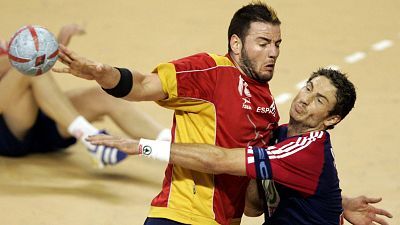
column 218, row 100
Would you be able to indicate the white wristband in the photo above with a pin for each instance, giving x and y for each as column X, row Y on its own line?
column 159, row 150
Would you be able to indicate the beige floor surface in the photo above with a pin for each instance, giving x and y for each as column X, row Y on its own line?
column 63, row 188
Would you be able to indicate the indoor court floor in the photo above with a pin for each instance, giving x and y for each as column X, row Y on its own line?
column 362, row 38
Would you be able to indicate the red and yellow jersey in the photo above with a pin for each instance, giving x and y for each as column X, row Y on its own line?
column 214, row 104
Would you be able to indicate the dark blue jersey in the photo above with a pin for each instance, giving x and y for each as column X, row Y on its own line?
column 298, row 179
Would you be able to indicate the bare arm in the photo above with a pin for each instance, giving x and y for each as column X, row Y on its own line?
column 209, row 158
column 145, row 87
column 200, row 157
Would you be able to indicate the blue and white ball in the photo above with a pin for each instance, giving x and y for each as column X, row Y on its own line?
column 33, row 50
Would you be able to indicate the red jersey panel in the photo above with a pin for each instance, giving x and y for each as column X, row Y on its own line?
column 214, row 104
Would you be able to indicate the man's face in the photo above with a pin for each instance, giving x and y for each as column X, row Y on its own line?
column 260, row 50
column 312, row 104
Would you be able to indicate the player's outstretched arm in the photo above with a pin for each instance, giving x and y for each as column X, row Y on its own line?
column 144, row 87
column 200, row 157
column 209, row 158
column 359, row 211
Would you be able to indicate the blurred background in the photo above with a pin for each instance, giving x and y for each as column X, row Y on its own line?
column 362, row 38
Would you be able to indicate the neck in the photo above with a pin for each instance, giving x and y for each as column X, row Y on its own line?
column 245, row 69
column 295, row 128
column 235, row 61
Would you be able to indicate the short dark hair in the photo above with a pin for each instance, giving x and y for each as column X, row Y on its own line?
column 253, row 12
column 345, row 91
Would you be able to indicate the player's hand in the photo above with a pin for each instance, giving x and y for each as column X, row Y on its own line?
column 80, row 66
column 129, row 146
column 359, row 211
column 68, row 31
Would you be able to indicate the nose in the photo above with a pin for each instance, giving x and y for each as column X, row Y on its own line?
column 273, row 51
column 306, row 99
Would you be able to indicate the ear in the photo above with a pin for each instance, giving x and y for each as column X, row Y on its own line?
column 236, row 44
column 332, row 120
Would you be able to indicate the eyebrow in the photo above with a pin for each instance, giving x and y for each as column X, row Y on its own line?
column 269, row 40
column 322, row 96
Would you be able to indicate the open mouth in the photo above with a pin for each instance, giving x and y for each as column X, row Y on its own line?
column 270, row 66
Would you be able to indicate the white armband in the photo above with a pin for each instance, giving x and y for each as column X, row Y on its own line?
column 159, row 150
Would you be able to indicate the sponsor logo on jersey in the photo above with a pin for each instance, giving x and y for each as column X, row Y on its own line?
column 246, row 103
column 146, row 150
column 267, row 109
column 245, row 93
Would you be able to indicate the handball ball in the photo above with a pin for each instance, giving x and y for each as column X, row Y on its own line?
column 33, row 50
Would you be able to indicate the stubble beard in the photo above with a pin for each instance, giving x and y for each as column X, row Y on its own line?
column 248, row 68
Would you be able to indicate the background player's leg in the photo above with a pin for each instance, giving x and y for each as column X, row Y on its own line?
column 93, row 103
column 17, row 104
column 53, row 102
column 22, row 96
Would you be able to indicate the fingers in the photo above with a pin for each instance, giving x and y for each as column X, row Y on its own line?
column 372, row 200
column 383, row 213
column 61, row 70
column 376, row 210
column 100, row 137
column 379, row 220
column 128, row 146
column 68, row 53
column 63, row 56
column 80, row 64
column 64, row 60
column 108, row 143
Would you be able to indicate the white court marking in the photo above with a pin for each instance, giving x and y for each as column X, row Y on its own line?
column 301, row 84
column 282, row 98
column 355, row 57
column 332, row 67
column 382, row 45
